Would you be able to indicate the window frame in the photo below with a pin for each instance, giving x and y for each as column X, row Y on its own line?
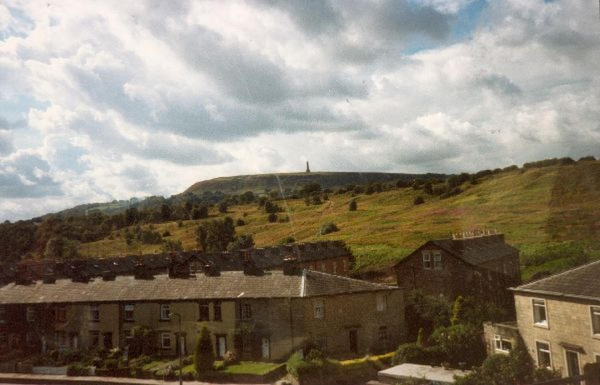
column 537, row 353
column 30, row 314
column 437, row 260
column 165, row 336
column 381, row 302
column 203, row 311
column 499, row 346
column 163, row 316
column 130, row 311
column 94, row 313
column 60, row 314
column 246, row 311
column 217, row 311
column 595, row 331
column 546, row 323
column 319, row 309
column 426, row 258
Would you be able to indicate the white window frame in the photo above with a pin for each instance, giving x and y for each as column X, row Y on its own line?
column 30, row 314
column 95, row 313
column 247, row 311
column 426, row 259
column 319, row 309
column 129, row 307
column 381, row 302
column 595, row 310
column 165, row 312
column 498, row 346
column 537, row 353
column 542, row 324
column 165, row 336
column 437, row 260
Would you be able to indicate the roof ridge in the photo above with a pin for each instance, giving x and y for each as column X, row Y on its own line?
column 524, row 286
column 341, row 277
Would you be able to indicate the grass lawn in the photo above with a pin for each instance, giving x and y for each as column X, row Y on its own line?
column 244, row 367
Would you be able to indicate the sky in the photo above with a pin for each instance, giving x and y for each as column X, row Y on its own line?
column 104, row 100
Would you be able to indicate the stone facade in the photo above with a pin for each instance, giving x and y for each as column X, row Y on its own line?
column 500, row 338
column 567, row 331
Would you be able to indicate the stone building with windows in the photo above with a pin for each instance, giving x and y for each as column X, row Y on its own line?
column 479, row 264
column 558, row 318
column 260, row 314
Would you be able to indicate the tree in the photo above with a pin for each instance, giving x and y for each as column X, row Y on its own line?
column 170, row 245
column 204, row 357
column 352, row 206
column 165, row 212
column 418, row 200
column 200, row 212
column 61, row 249
column 242, row 242
column 272, row 218
column 215, row 235
column 457, row 311
column 223, row 207
column 328, row 227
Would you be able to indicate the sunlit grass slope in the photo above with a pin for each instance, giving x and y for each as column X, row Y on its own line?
column 533, row 208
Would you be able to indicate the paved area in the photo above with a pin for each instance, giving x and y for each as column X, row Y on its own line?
column 19, row 378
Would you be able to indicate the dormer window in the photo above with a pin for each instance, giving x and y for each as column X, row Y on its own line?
column 427, row 259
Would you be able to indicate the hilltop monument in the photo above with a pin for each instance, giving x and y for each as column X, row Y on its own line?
column 307, row 167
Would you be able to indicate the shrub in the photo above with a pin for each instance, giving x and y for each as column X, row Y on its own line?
column 204, row 358
column 352, row 206
column 328, row 227
column 77, row 369
column 272, row 218
column 418, row 201
column 288, row 239
column 223, row 207
column 166, row 233
column 111, row 363
column 230, row 358
column 411, row 353
column 240, row 222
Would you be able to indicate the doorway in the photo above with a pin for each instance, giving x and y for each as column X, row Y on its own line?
column 353, row 340
column 221, row 345
column 266, row 348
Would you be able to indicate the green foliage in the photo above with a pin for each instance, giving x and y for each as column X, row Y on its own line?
column 204, row 357
column 420, row 337
column 272, row 218
column 411, row 353
column 242, row 242
column 61, row 249
column 111, row 363
column 425, row 312
column 328, row 228
column 142, row 341
column 223, row 207
column 418, row 201
column 77, row 369
column 314, row 366
column 170, row 245
column 287, row 240
column 460, row 343
column 215, row 235
column 457, row 311
column 240, row 222
column 271, row 207
column 200, row 212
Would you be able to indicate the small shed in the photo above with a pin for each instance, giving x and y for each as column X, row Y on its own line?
column 435, row 375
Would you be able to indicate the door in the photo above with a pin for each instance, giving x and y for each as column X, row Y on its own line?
column 353, row 339
column 221, row 345
column 266, row 348
column 572, row 363
column 180, row 343
column 107, row 340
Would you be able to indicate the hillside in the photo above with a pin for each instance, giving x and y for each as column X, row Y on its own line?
column 293, row 181
column 551, row 214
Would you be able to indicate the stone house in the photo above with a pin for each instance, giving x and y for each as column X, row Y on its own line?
column 261, row 315
column 558, row 318
column 476, row 264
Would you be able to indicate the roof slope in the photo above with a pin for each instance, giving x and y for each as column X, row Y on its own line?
column 230, row 284
column 579, row 282
column 477, row 250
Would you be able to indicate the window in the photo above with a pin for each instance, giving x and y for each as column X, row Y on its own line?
column 30, row 314
column 323, row 267
column 381, row 302
column 426, row 259
column 502, row 344
column 595, row 321
column 319, row 308
column 203, row 307
column 217, row 311
column 61, row 314
column 247, row 311
column 2, row 315
column 61, row 340
column 94, row 338
column 344, row 266
column 165, row 312
column 539, row 313
column 382, row 333
column 94, row 313
column 437, row 260
column 334, row 267
column 128, row 312
column 3, row 340
column 165, row 340
column 543, row 354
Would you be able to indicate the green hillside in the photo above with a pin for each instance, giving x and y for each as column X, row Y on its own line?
column 552, row 214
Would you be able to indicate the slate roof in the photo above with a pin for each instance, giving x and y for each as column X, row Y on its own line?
column 477, row 250
column 231, row 284
column 580, row 282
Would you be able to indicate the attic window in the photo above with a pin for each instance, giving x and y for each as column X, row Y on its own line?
column 427, row 259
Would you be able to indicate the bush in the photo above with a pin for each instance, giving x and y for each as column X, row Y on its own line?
column 240, row 222
column 411, row 353
column 223, row 207
column 166, row 233
column 272, row 218
column 418, row 201
column 111, row 363
column 230, row 358
column 328, row 227
column 77, row 370
column 287, row 240
column 352, row 206
column 204, row 358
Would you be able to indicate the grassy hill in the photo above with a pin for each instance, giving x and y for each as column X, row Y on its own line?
column 552, row 214
column 292, row 181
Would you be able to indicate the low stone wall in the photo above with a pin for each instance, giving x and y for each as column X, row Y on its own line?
column 56, row 371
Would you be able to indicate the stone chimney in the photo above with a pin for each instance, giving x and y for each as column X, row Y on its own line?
column 290, row 266
column 179, row 266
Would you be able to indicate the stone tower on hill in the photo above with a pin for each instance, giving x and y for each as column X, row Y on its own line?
column 307, row 167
